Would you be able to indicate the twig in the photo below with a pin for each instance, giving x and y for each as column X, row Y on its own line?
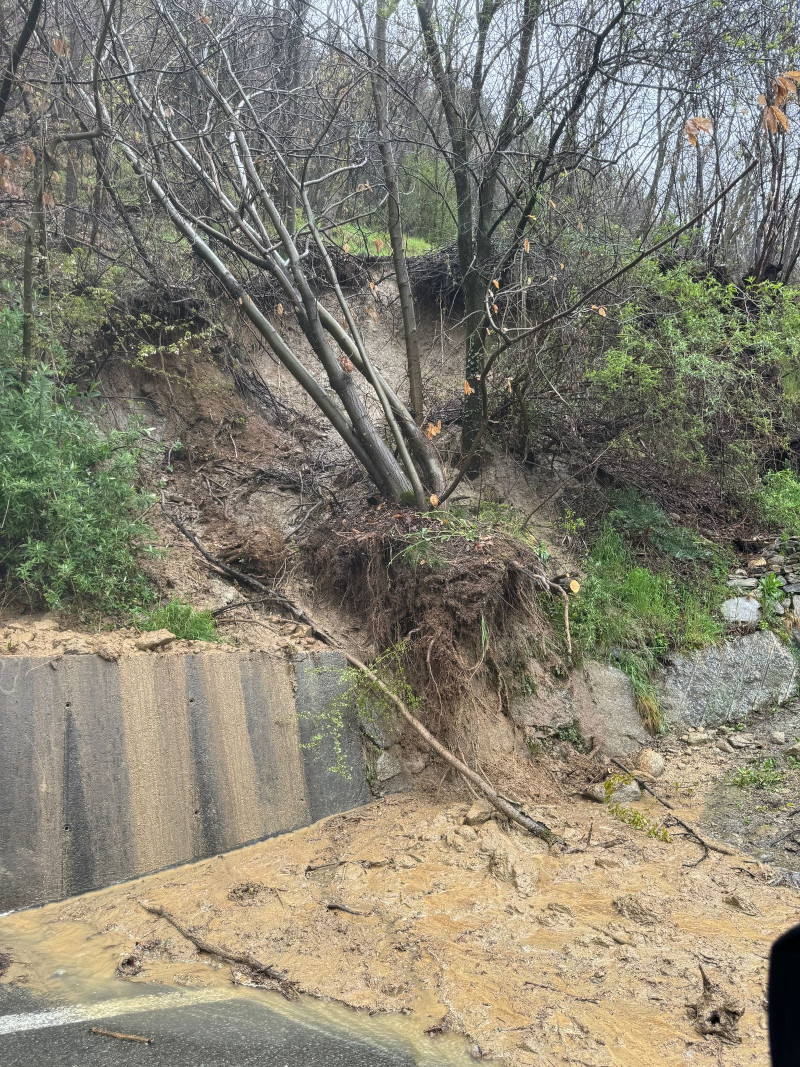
column 121, row 1037
column 561, row 993
column 287, row 987
column 333, row 906
column 706, row 843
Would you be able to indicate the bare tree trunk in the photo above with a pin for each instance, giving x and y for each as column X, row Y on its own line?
column 379, row 97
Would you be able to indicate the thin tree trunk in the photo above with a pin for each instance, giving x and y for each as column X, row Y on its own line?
column 379, row 97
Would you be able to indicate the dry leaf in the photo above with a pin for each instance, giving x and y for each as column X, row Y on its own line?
column 601, row 311
column 526, row 245
column 346, row 365
column 279, row 309
column 432, row 431
column 561, row 265
column 694, row 126
column 495, row 283
column 434, row 499
column 59, row 46
column 495, row 308
column 468, row 390
column 372, row 286
column 552, row 203
column 346, row 246
column 378, row 245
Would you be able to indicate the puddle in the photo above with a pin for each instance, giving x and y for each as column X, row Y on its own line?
column 63, row 963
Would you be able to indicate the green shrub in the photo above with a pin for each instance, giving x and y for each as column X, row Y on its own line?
column 779, row 501
column 759, row 776
column 182, row 620
column 71, row 521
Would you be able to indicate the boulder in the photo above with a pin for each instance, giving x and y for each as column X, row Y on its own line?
column 602, row 700
column 387, row 767
column 741, row 609
column 726, row 682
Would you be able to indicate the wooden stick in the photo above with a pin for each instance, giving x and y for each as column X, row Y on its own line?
column 287, row 987
column 121, row 1037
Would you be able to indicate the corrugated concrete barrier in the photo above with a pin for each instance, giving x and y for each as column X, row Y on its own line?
column 110, row 770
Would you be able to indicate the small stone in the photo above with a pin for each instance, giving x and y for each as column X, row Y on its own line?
column 480, row 812
column 156, row 639
column 651, row 762
column 743, row 583
column 793, row 750
column 723, row 746
column 76, row 646
column 741, row 740
column 595, row 792
column 778, row 737
column 796, row 604
column 741, row 609
column 698, row 737
column 756, row 563
column 416, row 762
column 778, row 609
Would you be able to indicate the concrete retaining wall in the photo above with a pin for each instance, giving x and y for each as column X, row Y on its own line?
column 109, row 770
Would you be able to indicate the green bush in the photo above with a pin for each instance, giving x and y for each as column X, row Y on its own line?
column 696, row 382
column 182, row 620
column 71, row 521
column 779, row 501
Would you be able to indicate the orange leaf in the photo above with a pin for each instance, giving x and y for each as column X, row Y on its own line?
column 781, row 118
column 434, row 499
column 552, row 203
column 495, row 283
column 601, row 311
column 59, row 46
column 346, row 365
column 279, row 309
column 495, row 308
column 346, row 246
column 468, row 390
column 378, row 245
column 526, row 245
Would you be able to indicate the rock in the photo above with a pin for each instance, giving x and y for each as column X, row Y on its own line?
column 741, row 609
column 595, row 792
column 416, row 762
column 778, row 609
column 650, row 762
column 740, row 740
column 698, row 737
column 743, row 583
column 778, row 737
column 627, row 794
column 480, row 812
column 723, row 746
column 602, row 700
column 387, row 767
column 793, row 750
column 156, row 639
column 796, row 604
column 757, row 563
column 383, row 728
column 726, row 682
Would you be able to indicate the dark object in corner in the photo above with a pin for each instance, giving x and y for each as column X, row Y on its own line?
column 784, row 1000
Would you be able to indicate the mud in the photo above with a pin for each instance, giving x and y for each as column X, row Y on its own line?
column 588, row 956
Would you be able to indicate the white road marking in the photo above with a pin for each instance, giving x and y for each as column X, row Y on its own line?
column 105, row 1009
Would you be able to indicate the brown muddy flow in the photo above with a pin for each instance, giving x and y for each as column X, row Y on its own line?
column 67, row 964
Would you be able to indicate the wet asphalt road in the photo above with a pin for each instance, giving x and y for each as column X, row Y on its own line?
column 186, row 1030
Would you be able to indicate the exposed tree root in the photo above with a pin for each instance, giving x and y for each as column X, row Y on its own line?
column 507, row 807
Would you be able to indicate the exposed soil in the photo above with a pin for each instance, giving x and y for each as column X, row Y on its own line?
column 585, row 956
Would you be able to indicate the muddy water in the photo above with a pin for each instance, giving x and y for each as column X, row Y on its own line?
column 66, row 963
